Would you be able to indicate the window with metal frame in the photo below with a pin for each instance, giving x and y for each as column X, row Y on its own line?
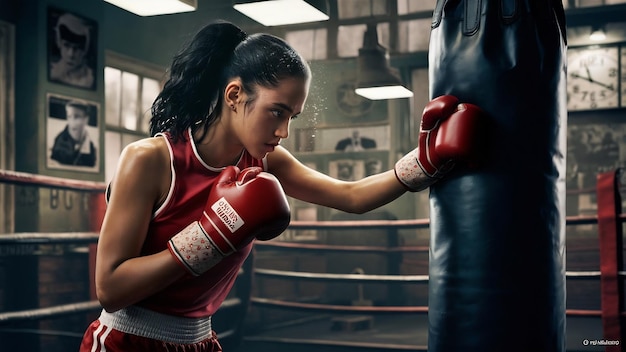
column 130, row 89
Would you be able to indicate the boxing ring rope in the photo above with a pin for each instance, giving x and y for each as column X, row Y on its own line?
column 49, row 312
column 330, row 308
column 278, row 245
column 97, row 191
column 42, row 238
column 258, row 301
column 387, row 279
column 370, row 224
column 89, row 238
column 360, row 278
column 26, row 179
column 609, row 220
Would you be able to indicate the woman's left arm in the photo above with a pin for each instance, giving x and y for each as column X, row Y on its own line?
column 306, row 184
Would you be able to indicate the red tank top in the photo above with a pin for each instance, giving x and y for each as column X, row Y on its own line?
column 192, row 180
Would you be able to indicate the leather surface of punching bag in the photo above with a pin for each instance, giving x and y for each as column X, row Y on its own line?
column 497, row 247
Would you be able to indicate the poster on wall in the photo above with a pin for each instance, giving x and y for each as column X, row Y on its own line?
column 72, row 49
column 349, row 139
column 72, row 134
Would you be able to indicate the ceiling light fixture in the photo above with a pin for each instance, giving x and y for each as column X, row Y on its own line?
column 155, row 7
column 376, row 79
column 283, row 12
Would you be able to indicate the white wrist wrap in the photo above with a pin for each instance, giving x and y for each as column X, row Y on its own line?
column 194, row 249
column 410, row 173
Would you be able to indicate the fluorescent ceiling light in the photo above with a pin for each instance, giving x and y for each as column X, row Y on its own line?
column 155, row 7
column 281, row 12
column 386, row 92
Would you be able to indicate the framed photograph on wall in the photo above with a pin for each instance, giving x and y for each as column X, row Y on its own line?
column 72, row 49
column 72, row 134
column 352, row 139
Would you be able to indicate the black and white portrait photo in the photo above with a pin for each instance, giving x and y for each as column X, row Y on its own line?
column 343, row 139
column 72, row 49
column 72, row 137
column 355, row 142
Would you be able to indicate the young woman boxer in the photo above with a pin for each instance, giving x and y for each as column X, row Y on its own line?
column 186, row 204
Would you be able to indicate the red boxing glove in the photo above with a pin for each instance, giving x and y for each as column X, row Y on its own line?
column 435, row 113
column 241, row 206
column 449, row 132
column 461, row 136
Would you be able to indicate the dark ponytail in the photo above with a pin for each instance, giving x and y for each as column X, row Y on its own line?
column 220, row 51
column 193, row 90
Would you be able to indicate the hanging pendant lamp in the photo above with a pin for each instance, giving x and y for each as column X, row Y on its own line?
column 376, row 79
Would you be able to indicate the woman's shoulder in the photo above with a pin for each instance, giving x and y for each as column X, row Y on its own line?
column 147, row 153
column 143, row 167
column 281, row 160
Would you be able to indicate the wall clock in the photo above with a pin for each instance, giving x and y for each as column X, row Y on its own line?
column 350, row 103
column 593, row 78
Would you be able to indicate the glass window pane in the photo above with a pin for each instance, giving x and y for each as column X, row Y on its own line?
column 350, row 38
column 129, row 138
column 302, row 42
column 412, row 6
column 311, row 43
column 320, row 44
column 361, row 8
column 588, row 3
column 130, row 90
column 112, row 91
column 150, row 90
column 113, row 142
column 414, row 35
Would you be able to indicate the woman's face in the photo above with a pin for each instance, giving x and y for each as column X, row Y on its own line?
column 265, row 121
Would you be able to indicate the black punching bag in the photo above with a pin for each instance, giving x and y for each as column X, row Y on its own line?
column 497, row 248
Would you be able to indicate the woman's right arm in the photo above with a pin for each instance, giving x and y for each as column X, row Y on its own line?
column 123, row 277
